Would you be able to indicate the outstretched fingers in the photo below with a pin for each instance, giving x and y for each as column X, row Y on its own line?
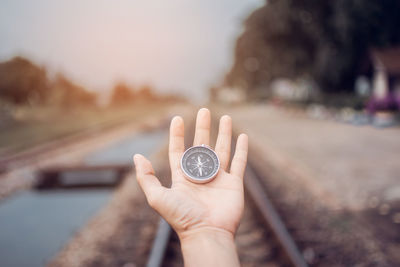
column 150, row 185
column 223, row 145
column 239, row 160
column 202, row 133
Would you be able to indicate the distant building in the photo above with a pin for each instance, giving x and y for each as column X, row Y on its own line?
column 228, row 95
column 293, row 90
column 380, row 80
column 386, row 71
column 382, row 70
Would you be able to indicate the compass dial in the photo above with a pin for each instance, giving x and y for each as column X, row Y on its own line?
column 200, row 164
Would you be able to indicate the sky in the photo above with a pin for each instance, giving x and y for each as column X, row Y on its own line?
column 181, row 46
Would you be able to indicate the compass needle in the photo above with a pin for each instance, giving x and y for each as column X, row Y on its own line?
column 204, row 162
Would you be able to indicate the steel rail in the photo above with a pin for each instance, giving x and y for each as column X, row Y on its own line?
column 270, row 217
column 164, row 230
column 267, row 211
column 159, row 244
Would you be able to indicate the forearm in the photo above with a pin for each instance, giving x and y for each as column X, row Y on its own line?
column 209, row 247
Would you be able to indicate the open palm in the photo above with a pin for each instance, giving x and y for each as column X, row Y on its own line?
column 188, row 206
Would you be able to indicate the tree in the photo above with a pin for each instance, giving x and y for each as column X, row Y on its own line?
column 325, row 41
column 22, row 82
column 69, row 94
column 122, row 94
column 146, row 93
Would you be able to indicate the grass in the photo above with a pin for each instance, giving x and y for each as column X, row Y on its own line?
column 33, row 126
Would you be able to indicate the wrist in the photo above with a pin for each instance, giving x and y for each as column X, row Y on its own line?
column 208, row 246
column 207, row 232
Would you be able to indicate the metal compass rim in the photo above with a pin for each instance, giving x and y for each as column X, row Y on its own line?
column 196, row 179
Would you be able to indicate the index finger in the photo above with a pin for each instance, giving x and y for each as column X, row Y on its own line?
column 176, row 142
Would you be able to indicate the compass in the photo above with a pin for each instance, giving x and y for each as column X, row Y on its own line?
column 200, row 164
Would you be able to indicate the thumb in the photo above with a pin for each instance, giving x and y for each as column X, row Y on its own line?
column 149, row 183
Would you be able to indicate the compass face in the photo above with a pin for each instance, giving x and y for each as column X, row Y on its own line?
column 200, row 164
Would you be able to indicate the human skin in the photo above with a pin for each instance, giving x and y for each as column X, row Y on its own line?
column 205, row 216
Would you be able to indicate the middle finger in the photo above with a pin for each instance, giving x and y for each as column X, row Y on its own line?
column 202, row 133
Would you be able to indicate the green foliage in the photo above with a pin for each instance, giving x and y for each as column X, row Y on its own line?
column 325, row 41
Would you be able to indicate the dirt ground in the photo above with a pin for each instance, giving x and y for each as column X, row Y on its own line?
column 337, row 184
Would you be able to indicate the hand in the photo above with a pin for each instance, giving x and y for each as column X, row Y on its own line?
column 192, row 208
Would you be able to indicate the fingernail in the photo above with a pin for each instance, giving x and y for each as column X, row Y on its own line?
column 225, row 117
column 135, row 158
column 204, row 110
column 176, row 119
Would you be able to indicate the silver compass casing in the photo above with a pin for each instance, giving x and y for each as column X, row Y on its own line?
column 200, row 164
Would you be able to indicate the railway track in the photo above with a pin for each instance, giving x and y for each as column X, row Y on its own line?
column 262, row 238
column 93, row 184
column 66, row 151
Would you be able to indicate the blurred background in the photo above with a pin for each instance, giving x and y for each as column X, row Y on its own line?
column 84, row 85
